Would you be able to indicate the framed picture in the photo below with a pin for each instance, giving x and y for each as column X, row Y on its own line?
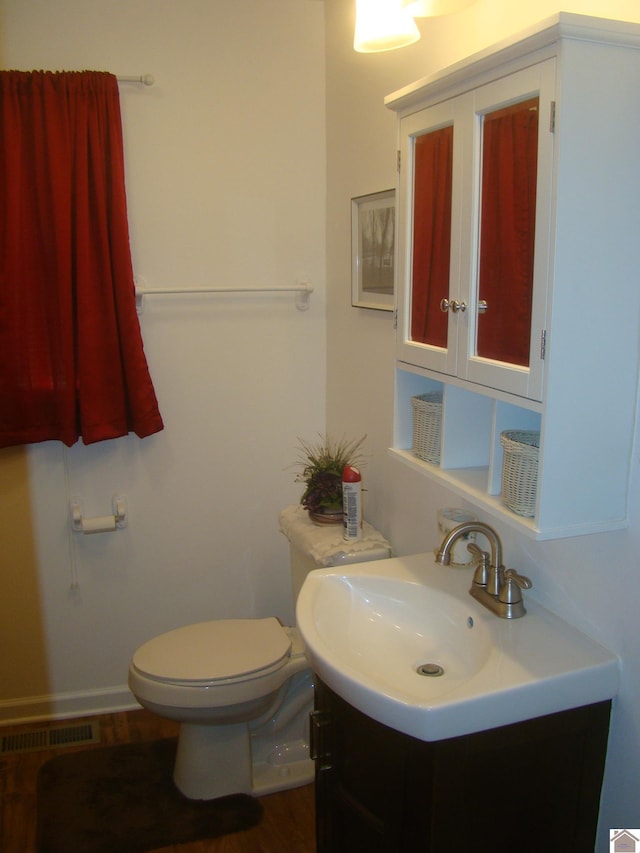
column 372, row 250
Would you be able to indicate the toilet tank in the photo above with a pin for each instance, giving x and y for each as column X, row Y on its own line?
column 314, row 546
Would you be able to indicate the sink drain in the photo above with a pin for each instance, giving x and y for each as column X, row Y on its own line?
column 430, row 669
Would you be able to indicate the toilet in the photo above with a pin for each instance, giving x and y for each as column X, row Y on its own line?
column 242, row 689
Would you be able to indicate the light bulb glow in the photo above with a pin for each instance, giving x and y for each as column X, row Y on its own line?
column 383, row 25
column 431, row 8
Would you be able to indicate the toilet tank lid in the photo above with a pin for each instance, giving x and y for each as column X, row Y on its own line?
column 325, row 544
column 217, row 650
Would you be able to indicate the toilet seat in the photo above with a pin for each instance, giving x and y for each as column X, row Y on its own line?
column 213, row 653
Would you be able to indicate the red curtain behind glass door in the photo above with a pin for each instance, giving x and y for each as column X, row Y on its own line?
column 72, row 361
column 433, row 171
column 509, row 179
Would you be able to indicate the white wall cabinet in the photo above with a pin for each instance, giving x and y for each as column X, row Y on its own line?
column 572, row 371
column 451, row 341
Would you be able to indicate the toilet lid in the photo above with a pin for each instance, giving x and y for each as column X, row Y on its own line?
column 214, row 651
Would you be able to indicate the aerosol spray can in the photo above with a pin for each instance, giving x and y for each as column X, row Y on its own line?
column 352, row 502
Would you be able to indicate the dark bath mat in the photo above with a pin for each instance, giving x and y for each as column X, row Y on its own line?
column 122, row 798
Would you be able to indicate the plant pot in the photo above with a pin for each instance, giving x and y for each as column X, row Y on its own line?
column 332, row 516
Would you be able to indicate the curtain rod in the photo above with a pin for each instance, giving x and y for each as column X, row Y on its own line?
column 147, row 79
column 304, row 289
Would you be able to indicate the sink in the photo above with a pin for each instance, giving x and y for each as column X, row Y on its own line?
column 386, row 628
column 403, row 641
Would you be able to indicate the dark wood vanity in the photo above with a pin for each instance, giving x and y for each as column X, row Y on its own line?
column 531, row 787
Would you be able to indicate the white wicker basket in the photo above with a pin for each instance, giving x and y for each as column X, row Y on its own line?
column 520, row 470
column 427, row 426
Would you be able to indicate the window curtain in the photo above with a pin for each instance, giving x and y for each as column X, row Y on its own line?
column 433, row 170
column 509, row 178
column 72, row 361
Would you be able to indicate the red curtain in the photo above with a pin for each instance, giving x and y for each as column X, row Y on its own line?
column 509, row 177
column 72, row 361
column 433, row 165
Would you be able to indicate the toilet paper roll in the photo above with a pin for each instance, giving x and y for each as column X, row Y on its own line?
column 99, row 524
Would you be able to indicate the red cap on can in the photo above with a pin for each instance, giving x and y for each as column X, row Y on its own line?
column 350, row 474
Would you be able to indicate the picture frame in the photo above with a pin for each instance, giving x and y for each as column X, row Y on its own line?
column 372, row 250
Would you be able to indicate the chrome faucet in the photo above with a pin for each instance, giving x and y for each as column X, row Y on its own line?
column 498, row 590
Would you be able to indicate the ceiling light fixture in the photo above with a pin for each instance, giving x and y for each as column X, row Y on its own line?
column 431, row 8
column 383, row 25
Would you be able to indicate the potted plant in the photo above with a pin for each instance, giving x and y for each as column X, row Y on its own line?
column 322, row 463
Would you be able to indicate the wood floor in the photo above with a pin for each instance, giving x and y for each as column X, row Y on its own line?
column 287, row 825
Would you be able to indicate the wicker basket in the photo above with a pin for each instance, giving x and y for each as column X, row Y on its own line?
column 520, row 470
column 427, row 426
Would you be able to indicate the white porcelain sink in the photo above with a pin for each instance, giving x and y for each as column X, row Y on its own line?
column 368, row 629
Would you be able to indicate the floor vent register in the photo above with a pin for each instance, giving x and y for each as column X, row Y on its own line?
column 50, row 738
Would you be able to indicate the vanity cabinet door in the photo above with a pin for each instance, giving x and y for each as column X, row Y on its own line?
column 360, row 792
column 528, row 787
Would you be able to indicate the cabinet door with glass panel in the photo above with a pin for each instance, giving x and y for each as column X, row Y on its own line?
column 475, row 198
column 428, row 235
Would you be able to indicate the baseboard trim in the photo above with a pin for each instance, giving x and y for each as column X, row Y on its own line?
column 63, row 706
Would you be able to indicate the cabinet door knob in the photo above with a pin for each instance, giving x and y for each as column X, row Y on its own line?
column 454, row 305
column 482, row 306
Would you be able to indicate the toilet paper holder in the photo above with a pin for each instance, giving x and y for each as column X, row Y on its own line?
column 99, row 523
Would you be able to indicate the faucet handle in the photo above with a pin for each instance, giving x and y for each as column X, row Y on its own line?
column 481, row 574
column 522, row 581
column 513, row 583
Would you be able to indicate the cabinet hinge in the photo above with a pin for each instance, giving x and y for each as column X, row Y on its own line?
column 543, row 344
column 395, row 318
column 552, row 117
column 398, row 159
column 320, row 739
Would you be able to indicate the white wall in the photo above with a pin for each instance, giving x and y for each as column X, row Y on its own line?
column 226, row 183
column 225, row 159
column 593, row 581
